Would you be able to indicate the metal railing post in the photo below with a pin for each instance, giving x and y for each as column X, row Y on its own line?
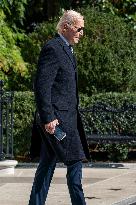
column 1, row 128
column 12, row 121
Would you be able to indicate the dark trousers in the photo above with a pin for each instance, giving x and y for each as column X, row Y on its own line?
column 44, row 176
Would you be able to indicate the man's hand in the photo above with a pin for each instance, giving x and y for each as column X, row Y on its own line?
column 50, row 127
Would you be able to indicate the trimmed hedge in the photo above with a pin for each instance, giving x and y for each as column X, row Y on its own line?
column 24, row 108
column 123, row 123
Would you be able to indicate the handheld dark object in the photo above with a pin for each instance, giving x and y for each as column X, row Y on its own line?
column 59, row 133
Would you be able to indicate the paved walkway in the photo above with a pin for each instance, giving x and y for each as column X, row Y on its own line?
column 114, row 184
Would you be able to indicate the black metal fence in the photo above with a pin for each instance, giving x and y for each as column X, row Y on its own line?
column 6, row 123
column 107, row 124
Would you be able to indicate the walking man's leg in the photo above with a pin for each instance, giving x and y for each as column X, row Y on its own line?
column 41, row 183
column 43, row 175
column 74, row 176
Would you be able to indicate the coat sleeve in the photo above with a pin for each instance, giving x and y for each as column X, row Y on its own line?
column 47, row 70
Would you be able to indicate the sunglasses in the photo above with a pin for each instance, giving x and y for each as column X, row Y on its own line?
column 80, row 29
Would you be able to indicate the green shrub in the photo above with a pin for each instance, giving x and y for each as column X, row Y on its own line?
column 24, row 108
column 13, row 69
column 32, row 45
column 106, row 123
column 106, row 55
column 125, row 8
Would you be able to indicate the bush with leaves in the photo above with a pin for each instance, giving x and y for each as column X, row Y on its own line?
column 118, row 117
column 24, row 108
column 32, row 45
column 14, row 11
column 13, row 69
column 123, row 8
column 106, row 55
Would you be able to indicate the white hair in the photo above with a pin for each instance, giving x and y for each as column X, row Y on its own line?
column 70, row 17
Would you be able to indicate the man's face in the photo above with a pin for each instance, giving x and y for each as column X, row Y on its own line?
column 74, row 32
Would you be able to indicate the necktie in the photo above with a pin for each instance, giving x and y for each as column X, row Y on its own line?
column 71, row 48
column 74, row 59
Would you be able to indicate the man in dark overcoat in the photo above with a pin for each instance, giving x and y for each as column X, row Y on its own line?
column 57, row 102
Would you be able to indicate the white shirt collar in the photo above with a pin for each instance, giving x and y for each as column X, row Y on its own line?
column 64, row 39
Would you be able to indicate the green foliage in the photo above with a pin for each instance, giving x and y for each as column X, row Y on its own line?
column 31, row 46
column 26, row 14
column 123, row 8
column 12, row 66
column 116, row 152
column 103, row 123
column 24, row 108
column 122, row 122
column 14, row 11
column 106, row 55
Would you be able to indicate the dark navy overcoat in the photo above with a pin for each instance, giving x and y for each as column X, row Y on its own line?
column 56, row 97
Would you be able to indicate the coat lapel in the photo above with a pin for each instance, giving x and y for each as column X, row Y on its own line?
column 67, row 51
column 70, row 55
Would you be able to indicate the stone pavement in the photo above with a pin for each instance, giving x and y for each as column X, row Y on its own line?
column 104, row 184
